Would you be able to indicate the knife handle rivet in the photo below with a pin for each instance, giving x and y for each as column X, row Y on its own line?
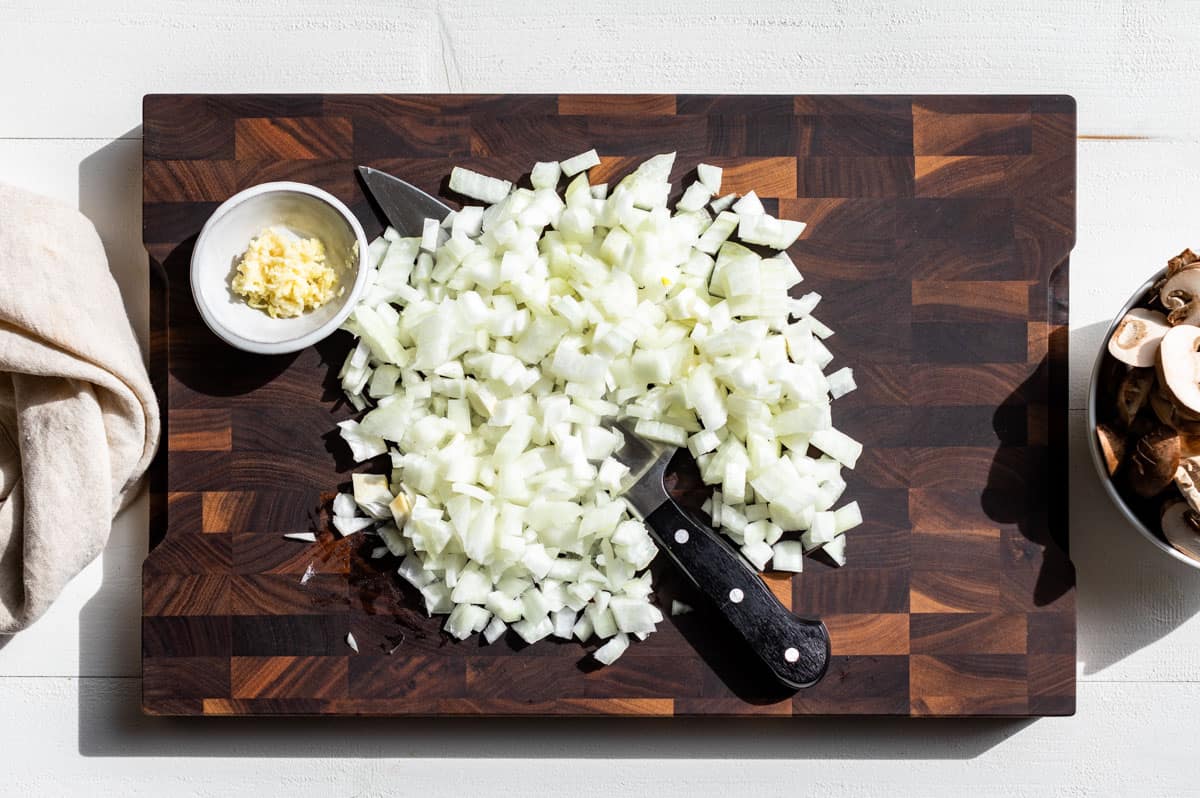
column 681, row 536
column 791, row 655
column 736, row 595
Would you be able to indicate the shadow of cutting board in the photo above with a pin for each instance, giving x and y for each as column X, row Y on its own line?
column 939, row 232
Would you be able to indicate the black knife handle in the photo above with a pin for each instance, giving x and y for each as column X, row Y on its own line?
column 795, row 649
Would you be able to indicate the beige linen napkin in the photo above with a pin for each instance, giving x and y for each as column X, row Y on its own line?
column 78, row 419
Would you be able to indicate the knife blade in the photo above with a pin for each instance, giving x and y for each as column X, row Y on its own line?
column 405, row 206
column 796, row 650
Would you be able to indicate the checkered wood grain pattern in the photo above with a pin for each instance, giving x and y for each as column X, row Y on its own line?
column 939, row 232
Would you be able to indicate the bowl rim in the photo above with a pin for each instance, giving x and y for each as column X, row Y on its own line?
column 1094, row 447
column 231, row 337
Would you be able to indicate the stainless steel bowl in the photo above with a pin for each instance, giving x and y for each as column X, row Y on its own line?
column 1150, row 534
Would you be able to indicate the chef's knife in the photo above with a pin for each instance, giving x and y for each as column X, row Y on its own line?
column 796, row 650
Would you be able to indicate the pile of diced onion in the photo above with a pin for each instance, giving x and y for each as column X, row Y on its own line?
column 495, row 350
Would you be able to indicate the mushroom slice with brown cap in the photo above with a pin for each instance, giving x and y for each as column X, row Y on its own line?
column 1184, row 260
column 1135, row 341
column 1112, row 447
column 1181, row 528
column 1189, row 446
column 1180, row 295
column 1142, row 425
column 1154, row 462
column 1179, row 365
column 1133, row 394
column 1186, row 477
column 1173, row 415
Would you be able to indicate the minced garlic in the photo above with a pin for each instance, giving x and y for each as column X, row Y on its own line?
column 284, row 275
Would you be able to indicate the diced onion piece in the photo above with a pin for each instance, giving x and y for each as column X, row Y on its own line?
column 307, row 537
column 717, row 233
column 401, row 509
column 768, row 231
column 377, row 248
column 662, row 432
column 758, row 553
column 437, row 598
column 610, row 475
column 494, row 630
column 393, row 540
column 836, row 549
column 465, row 620
column 706, row 397
column 468, row 222
column 847, row 517
column 583, row 628
column 370, row 489
column 818, row 328
column 822, row 530
column 710, row 176
column 703, row 442
column 383, row 381
column 481, row 187
column 578, row 163
column 350, row 641
column 723, row 203
column 362, row 447
column 788, row 556
column 757, row 512
column 679, row 608
column 545, row 174
column 611, row 651
column 533, row 630
column 564, row 622
column 430, row 233
column 694, row 198
column 349, row 526
column 656, row 169
column 749, row 205
column 717, row 510
column 344, row 504
column 733, row 485
column 472, row 587
column 841, row 382
column 838, row 445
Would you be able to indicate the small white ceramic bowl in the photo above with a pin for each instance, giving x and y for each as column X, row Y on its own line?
column 1148, row 529
column 305, row 210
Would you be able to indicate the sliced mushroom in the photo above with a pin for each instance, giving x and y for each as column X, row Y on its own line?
column 1133, row 394
column 1181, row 528
column 1135, row 341
column 1164, row 409
column 1187, row 479
column 1179, row 365
column 1184, row 260
column 1161, row 391
column 1142, row 425
column 1171, row 414
column 1154, row 461
column 1180, row 295
column 1112, row 447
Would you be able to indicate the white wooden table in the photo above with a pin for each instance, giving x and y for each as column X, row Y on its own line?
column 70, row 91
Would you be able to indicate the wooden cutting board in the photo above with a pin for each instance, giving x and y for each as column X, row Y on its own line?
column 939, row 232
